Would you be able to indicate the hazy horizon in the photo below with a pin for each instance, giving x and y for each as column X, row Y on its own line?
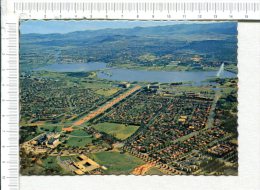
column 63, row 27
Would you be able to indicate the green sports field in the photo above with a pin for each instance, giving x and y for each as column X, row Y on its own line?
column 79, row 141
column 117, row 163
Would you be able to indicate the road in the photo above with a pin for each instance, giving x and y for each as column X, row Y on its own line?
column 106, row 106
column 210, row 121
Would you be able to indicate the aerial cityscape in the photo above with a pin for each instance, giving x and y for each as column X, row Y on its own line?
column 128, row 98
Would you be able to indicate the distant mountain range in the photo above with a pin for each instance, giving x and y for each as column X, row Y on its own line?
column 220, row 28
column 216, row 40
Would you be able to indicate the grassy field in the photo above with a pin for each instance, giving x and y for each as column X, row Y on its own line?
column 107, row 92
column 74, row 158
column 79, row 141
column 50, row 163
column 79, row 133
column 50, row 128
column 117, row 164
column 96, row 84
column 192, row 89
column 120, row 131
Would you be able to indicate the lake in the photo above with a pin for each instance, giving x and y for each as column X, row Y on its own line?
column 75, row 67
column 118, row 74
column 161, row 76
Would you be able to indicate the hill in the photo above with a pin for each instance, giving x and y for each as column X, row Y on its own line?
column 216, row 42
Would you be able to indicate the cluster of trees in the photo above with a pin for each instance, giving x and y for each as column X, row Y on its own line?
column 227, row 112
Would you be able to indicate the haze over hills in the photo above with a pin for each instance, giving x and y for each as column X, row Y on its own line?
column 216, row 41
column 224, row 28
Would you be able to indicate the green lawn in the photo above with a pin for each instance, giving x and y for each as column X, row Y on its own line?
column 192, row 89
column 79, row 133
column 50, row 163
column 117, row 164
column 79, row 141
column 50, row 128
column 74, row 158
column 107, row 91
column 95, row 85
column 120, row 131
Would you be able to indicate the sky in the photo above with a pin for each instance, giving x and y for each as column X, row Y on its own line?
column 60, row 26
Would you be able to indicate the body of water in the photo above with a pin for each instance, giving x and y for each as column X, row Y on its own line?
column 118, row 74
column 161, row 76
column 75, row 67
